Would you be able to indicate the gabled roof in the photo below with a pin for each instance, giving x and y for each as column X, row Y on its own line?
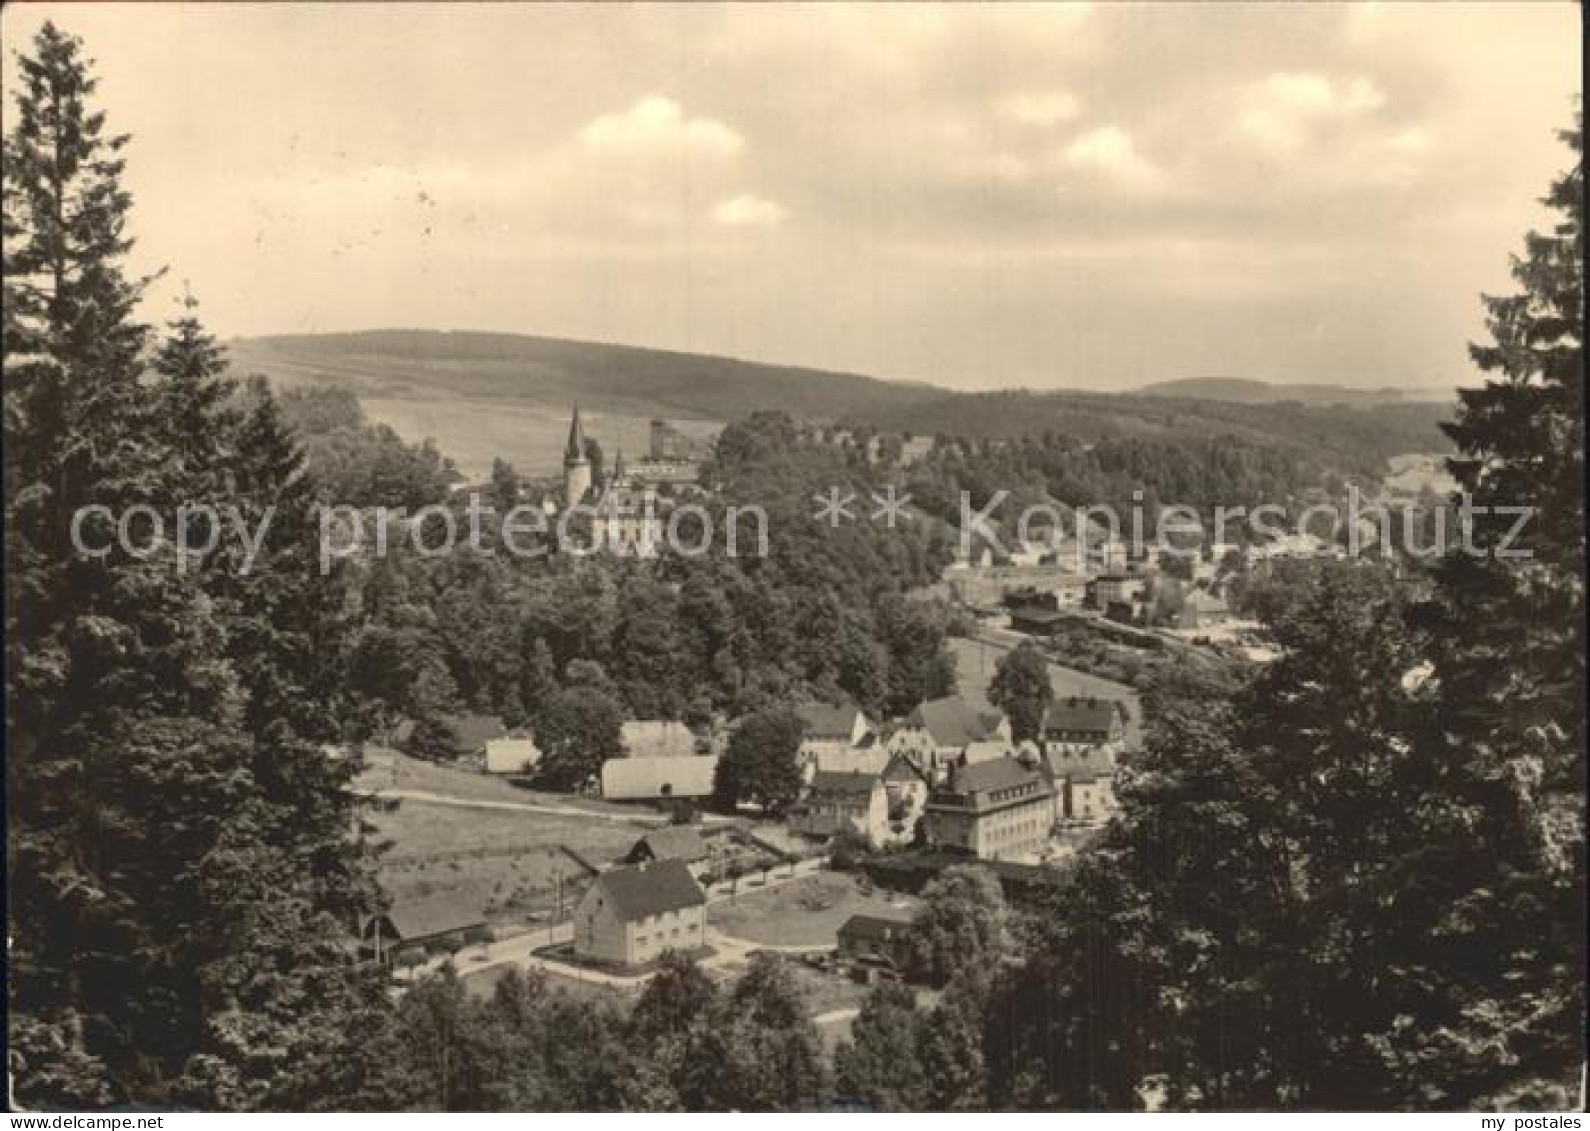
column 680, row 843
column 866, row 761
column 639, row 890
column 877, row 928
column 820, row 721
column 438, row 914
column 637, row 779
column 1097, row 715
column 984, row 777
column 901, row 768
column 657, row 738
column 955, row 722
column 1086, row 766
column 845, row 784
column 991, row 786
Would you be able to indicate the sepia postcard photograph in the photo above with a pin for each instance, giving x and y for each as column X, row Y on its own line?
column 815, row 558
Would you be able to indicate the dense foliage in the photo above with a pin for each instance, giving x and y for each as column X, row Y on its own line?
column 181, row 870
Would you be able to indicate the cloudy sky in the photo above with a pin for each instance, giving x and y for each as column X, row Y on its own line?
column 1076, row 196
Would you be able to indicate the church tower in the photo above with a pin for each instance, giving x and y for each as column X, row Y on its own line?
column 576, row 467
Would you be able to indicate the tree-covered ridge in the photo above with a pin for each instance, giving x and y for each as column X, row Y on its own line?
column 824, row 614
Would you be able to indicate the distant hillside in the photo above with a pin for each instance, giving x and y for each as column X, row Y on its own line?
column 553, row 372
column 1351, row 438
column 1264, row 392
column 480, row 395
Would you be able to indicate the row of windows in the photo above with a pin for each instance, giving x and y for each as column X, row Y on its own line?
column 661, row 936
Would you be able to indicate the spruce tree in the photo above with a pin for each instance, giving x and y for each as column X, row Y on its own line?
column 180, row 873
column 1509, row 663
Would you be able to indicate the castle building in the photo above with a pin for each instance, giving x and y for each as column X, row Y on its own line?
column 576, row 465
column 624, row 507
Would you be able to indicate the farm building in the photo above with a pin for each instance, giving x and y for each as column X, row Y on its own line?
column 653, row 779
column 631, row 915
column 445, row 921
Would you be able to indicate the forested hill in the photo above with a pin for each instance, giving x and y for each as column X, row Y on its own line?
column 530, row 370
column 551, row 373
column 1355, row 439
column 1265, row 392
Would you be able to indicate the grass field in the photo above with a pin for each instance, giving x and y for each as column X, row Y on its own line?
column 511, row 862
column 387, row 770
column 531, row 437
column 806, row 912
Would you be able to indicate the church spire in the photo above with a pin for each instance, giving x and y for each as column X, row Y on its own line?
column 575, row 452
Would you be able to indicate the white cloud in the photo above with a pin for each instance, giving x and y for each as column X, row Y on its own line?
column 658, row 124
column 1047, row 108
column 1111, row 150
column 747, row 211
column 1285, row 107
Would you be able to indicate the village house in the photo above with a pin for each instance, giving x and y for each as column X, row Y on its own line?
column 1079, row 724
column 999, row 810
column 836, row 804
column 679, row 843
column 875, row 937
column 828, row 730
column 630, row 915
column 414, row 927
column 1082, row 781
column 658, row 779
column 935, row 735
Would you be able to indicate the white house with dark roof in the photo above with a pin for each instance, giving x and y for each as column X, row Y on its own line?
column 630, row 915
column 1078, row 724
column 1083, row 782
column 828, row 731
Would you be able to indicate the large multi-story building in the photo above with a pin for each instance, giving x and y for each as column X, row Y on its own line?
column 630, row 915
column 995, row 810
